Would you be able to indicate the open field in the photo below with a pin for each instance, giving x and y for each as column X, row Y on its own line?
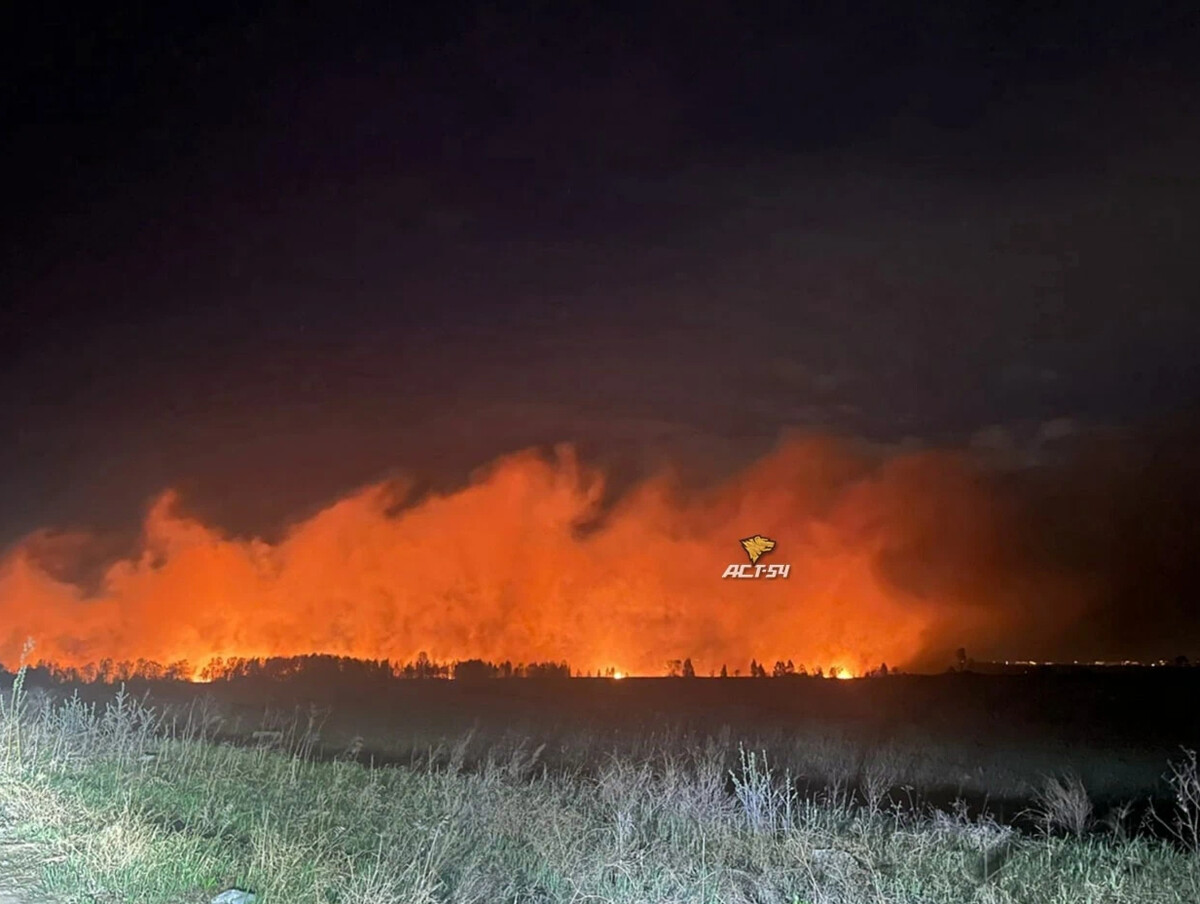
column 910, row 789
column 945, row 736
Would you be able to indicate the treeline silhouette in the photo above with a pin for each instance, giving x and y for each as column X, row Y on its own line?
column 108, row 671
column 683, row 668
column 315, row 668
column 343, row 667
column 291, row 669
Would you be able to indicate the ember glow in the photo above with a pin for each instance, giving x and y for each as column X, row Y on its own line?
column 892, row 559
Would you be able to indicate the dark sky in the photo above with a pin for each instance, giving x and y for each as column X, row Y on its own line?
column 265, row 256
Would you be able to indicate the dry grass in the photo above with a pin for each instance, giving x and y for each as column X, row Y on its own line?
column 1062, row 803
column 142, row 806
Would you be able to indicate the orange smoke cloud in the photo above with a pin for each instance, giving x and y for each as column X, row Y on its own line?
column 891, row 558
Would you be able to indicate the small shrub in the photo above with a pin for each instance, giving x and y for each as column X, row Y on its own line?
column 1062, row 802
column 768, row 804
column 1184, row 778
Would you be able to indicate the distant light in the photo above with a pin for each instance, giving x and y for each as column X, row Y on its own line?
column 618, row 675
column 843, row 675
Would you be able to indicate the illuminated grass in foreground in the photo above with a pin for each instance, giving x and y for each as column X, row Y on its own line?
column 124, row 807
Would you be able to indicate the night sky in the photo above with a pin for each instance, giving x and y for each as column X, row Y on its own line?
column 265, row 257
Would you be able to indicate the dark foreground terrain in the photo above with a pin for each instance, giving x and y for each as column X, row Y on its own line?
column 1070, row 788
column 990, row 740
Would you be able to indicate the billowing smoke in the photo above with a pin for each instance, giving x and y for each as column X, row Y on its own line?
column 896, row 558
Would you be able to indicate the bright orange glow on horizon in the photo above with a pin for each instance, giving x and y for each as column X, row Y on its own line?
column 500, row 571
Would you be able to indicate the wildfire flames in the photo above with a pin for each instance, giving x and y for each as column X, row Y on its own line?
column 891, row 558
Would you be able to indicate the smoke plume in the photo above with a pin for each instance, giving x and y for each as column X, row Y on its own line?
column 896, row 558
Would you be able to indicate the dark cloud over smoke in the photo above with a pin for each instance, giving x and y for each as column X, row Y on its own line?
column 1124, row 515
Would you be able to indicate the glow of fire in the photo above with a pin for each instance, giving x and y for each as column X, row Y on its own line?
column 499, row 570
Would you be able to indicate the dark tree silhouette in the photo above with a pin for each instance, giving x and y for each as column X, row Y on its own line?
column 474, row 670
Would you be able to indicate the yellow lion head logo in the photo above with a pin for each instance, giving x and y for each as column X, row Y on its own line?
column 757, row 546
